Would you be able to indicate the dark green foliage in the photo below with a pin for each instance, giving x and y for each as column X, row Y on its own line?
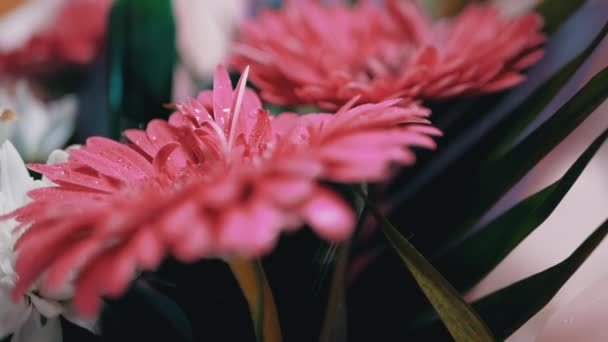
column 141, row 56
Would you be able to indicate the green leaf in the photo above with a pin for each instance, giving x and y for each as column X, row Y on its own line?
column 501, row 174
column 556, row 12
column 142, row 54
column 443, row 183
column 334, row 326
column 43, row 320
column 252, row 280
column 463, row 323
column 508, row 309
column 494, row 179
column 444, row 8
column 68, row 81
column 475, row 257
column 143, row 313
column 525, row 113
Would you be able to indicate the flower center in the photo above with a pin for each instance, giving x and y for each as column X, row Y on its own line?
column 7, row 6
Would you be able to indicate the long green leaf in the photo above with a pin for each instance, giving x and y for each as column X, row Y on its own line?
column 142, row 55
column 513, row 165
column 334, row 327
column 525, row 113
column 522, row 300
column 458, row 317
column 556, row 12
column 474, row 258
column 501, row 137
column 441, row 185
column 508, row 309
column 144, row 313
column 335, row 323
column 493, row 180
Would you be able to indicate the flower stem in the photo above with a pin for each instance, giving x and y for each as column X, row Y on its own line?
column 252, row 280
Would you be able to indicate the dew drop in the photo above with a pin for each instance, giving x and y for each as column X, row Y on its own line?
column 569, row 320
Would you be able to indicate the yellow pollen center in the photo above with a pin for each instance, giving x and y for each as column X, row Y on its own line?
column 7, row 6
column 8, row 115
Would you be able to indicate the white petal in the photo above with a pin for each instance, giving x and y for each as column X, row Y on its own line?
column 12, row 316
column 62, row 116
column 57, row 156
column 15, row 181
column 7, row 101
column 72, row 315
column 34, row 331
column 21, row 24
column 515, row 8
column 7, row 129
column 204, row 32
column 33, row 122
column 49, row 308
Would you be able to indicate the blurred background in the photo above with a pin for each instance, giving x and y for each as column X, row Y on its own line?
column 70, row 69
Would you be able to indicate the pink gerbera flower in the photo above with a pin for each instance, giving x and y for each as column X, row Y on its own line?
column 311, row 53
column 53, row 34
column 220, row 178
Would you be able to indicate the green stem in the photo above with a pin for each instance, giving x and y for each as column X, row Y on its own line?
column 252, row 280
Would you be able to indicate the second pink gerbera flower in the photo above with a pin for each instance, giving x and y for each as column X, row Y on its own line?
column 220, row 178
column 311, row 53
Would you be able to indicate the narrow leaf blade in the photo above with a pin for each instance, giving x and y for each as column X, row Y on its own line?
column 556, row 12
column 475, row 257
column 252, row 280
column 444, row 185
column 525, row 113
column 511, row 167
column 142, row 54
column 334, row 326
column 144, row 313
column 508, row 309
column 458, row 317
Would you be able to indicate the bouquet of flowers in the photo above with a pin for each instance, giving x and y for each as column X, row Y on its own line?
column 337, row 181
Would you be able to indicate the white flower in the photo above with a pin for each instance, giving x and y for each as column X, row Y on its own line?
column 36, row 317
column 22, row 19
column 37, row 128
column 205, row 29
